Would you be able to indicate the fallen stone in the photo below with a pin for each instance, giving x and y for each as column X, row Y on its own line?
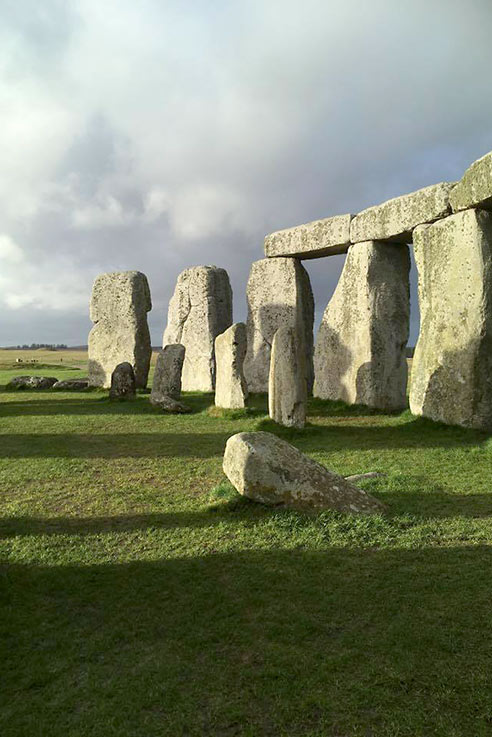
column 72, row 385
column 395, row 219
column 123, row 382
column 278, row 294
column 269, row 470
column 168, row 404
column 360, row 350
column 199, row 310
column 31, row 382
column 475, row 187
column 231, row 391
column 326, row 237
column 119, row 305
column 287, row 386
column 451, row 379
column 168, row 370
column 363, row 476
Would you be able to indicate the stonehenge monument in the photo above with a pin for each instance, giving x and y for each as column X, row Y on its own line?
column 278, row 294
column 168, row 370
column 287, row 385
column 119, row 305
column 199, row 310
column 360, row 354
column 231, row 391
column 360, row 349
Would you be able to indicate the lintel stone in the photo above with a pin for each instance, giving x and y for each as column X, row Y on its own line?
column 395, row 219
column 327, row 237
column 475, row 187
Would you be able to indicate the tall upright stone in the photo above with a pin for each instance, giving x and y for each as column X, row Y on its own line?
column 451, row 377
column 199, row 310
column 119, row 305
column 287, row 386
column 168, row 370
column 231, row 391
column 279, row 294
column 360, row 350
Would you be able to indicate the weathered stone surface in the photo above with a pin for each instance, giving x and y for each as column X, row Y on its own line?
column 279, row 294
column 360, row 350
column 168, row 370
column 231, row 391
column 271, row 471
column 287, row 386
column 451, row 377
column 32, row 382
column 119, row 305
column 71, row 385
column 325, row 237
column 396, row 218
column 475, row 187
column 199, row 310
column 168, row 404
column 123, row 382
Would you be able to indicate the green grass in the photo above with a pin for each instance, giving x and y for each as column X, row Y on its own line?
column 141, row 596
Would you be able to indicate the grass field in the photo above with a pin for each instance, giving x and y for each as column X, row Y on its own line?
column 142, row 597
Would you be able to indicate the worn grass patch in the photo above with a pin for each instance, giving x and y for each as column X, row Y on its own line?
column 141, row 595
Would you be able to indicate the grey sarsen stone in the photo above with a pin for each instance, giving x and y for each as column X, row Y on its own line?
column 231, row 391
column 266, row 469
column 199, row 310
column 119, row 305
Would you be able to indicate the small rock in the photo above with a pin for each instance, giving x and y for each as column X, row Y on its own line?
column 168, row 404
column 72, row 385
column 123, row 382
column 271, row 471
column 362, row 476
column 32, row 382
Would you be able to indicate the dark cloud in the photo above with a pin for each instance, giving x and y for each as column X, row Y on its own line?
column 162, row 135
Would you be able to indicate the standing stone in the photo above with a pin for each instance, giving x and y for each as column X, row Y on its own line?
column 451, row 377
column 119, row 305
column 278, row 294
column 287, row 386
column 266, row 469
column 123, row 382
column 360, row 351
column 231, row 390
column 199, row 310
column 168, row 368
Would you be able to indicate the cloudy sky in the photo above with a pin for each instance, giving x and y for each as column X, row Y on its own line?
column 160, row 134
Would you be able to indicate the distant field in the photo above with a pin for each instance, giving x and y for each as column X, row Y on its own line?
column 49, row 363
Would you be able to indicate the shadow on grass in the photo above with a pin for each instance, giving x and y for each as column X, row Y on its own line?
column 259, row 643
column 126, row 445
column 412, row 432
column 91, row 403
